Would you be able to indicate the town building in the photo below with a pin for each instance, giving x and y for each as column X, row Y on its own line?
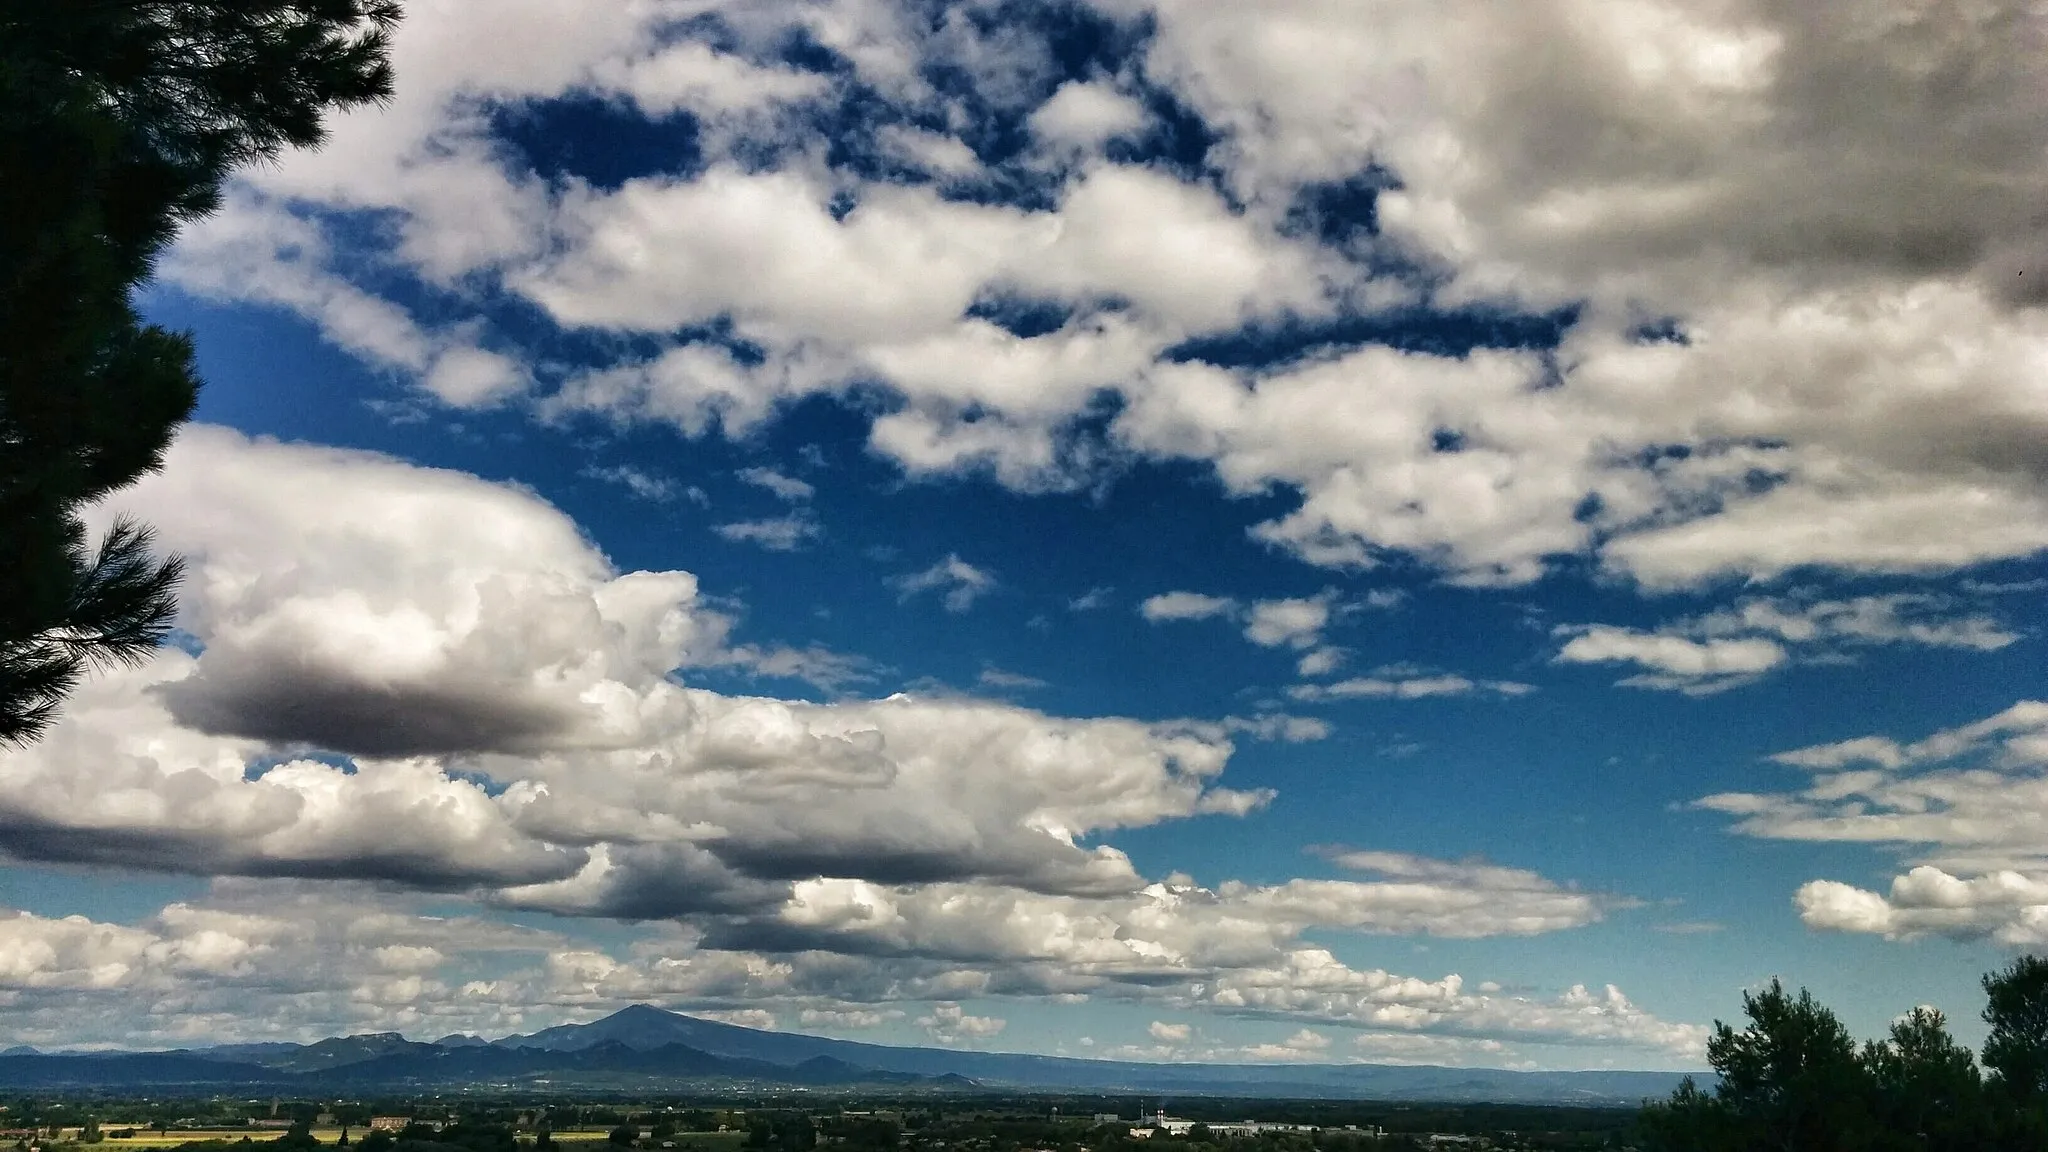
column 1175, row 1126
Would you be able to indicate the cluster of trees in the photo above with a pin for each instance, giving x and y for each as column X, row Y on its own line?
column 466, row 1136
column 1794, row 1078
column 862, row 1133
column 781, row 1131
column 119, row 122
column 663, row 1128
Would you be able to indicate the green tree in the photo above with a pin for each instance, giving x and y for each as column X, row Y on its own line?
column 786, row 1131
column 2016, row 1048
column 624, row 1135
column 1929, row 1094
column 119, row 121
column 1691, row 1121
column 1791, row 1080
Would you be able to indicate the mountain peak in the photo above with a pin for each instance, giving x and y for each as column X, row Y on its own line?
column 645, row 1012
column 340, row 1051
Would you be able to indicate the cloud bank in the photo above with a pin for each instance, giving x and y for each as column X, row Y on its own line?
column 1782, row 251
column 480, row 705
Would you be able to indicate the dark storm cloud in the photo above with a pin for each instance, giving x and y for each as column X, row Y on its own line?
column 654, row 882
column 1026, row 859
column 405, row 858
column 297, row 703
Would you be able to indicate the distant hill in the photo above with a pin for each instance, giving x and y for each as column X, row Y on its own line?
column 128, row 1070
column 607, row 1062
column 642, row 1025
column 645, row 1026
column 248, row 1053
column 643, row 1046
column 389, row 1061
column 345, row 1051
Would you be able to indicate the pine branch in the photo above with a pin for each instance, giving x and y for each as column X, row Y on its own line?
column 124, row 601
column 120, row 610
column 35, row 677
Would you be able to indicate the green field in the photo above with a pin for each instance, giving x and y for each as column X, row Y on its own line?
column 704, row 1141
column 174, row 1136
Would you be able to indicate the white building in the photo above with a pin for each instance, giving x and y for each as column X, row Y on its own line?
column 1175, row 1126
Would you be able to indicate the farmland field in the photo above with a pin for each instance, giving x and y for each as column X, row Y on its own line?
column 684, row 1141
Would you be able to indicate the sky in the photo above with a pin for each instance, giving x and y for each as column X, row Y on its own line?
column 1344, row 530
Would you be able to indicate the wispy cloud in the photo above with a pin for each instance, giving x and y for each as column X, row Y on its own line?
column 1729, row 648
column 829, row 671
column 959, row 583
column 787, row 488
column 1091, row 600
column 643, row 485
column 776, row 533
column 1185, row 606
column 998, row 679
column 1406, row 682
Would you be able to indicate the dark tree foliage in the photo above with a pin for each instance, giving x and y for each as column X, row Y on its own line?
column 2016, row 1049
column 856, row 1133
column 782, row 1131
column 119, row 120
column 1928, row 1093
column 1793, row 1079
column 463, row 1137
column 1691, row 1121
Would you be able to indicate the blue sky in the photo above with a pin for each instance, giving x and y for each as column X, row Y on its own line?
column 1178, row 533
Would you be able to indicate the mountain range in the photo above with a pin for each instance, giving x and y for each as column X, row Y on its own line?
column 647, row 1048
